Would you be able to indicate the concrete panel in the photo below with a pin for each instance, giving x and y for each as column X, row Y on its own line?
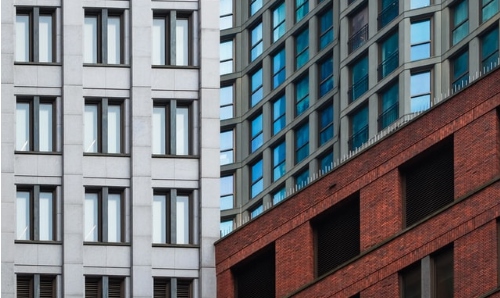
column 141, row 131
column 209, row 103
column 106, row 167
column 209, row 226
column 106, row 77
column 141, row 159
column 175, row 258
column 162, row 79
column 187, row 79
column 209, row 140
column 175, row 168
column 49, row 255
column 210, row 163
column 38, row 165
column 210, row 189
column 35, row 75
column 208, row 283
column 26, row 254
column 106, row 256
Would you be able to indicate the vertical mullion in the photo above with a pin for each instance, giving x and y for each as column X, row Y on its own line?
column 173, row 287
column 104, row 214
column 36, row 32
column 172, row 46
column 36, row 123
column 104, row 125
column 173, row 217
column 36, row 285
column 36, row 212
column 173, row 127
column 104, row 36
column 105, row 287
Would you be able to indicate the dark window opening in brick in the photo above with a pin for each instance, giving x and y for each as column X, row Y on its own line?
column 337, row 235
column 429, row 182
column 443, row 272
column 411, row 281
column 256, row 277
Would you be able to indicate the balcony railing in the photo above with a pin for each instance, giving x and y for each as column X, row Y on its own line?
column 358, row 39
column 388, row 65
column 357, row 89
column 388, row 116
column 388, row 14
column 358, row 138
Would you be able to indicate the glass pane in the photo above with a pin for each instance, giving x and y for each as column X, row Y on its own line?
column 158, row 50
column 302, row 94
column 278, row 196
column 490, row 9
column 460, row 65
column 23, row 126
column 256, row 87
column 301, row 179
column 279, row 68
column 226, row 202
column 279, row 22
column 226, row 227
column 460, row 32
column 114, row 218
column 420, row 51
column 257, row 171
column 279, row 118
column 255, row 6
column 23, row 215
column 46, row 216
column 22, row 38
column 182, row 42
column 45, row 38
column 411, row 278
column 114, row 40
column 226, row 102
column 45, row 127
column 226, row 185
column 460, row 13
column 159, row 219
column 91, row 129
column 257, row 137
column 301, row 48
column 302, row 8
column 182, row 220
column 255, row 212
column 420, row 103
column 360, row 70
column 326, row 163
column 489, row 43
column 279, row 155
column 419, row 3
column 326, row 23
column 114, row 129
column 159, row 130
column 226, row 14
column 226, row 57
column 182, row 131
column 226, row 147
column 90, row 37
column 91, row 217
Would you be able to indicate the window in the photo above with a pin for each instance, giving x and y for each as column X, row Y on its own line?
column 226, row 147
column 103, row 33
column 35, row 124
column 256, row 173
column 279, row 26
column 279, row 114
column 35, row 31
column 29, row 284
column 420, row 37
column 301, row 9
column 359, row 128
column 104, row 286
column 256, row 87
column 226, row 57
column 226, row 14
column 389, row 55
column 389, row 10
column 256, row 211
column 302, row 95
column 103, row 126
column 325, row 124
column 325, row 29
column 36, row 213
column 302, row 179
column 419, row 3
column 172, row 287
column 226, row 94
column 358, row 29
column 171, row 128
column 171, row 39
column 325, row 76
column 226, row 192
column 256, row 42
column 279, row 196
column 302, row 48
column 104, row 215
column 411, row 281
column 257, row 277
column 359, row 79
column 256, row 133
column 326, row 162
column 389, row 106
column 255, row 5
column 489, row 50
column 489, row 9
column 460, row 75
column 226, row 226
column 460, row 25
column 420, row 89
column 279, row 68
column 301, row 143
column 279, row 158
column 172, row 217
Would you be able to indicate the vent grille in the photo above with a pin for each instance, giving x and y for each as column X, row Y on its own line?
column 24, row 286
column 256, row 278
column 92, row 287
column 161, row 288
column 47, row 286
column 115, row 287
column 183, row 288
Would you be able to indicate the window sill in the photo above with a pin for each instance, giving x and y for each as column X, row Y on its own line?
column 37, row 242
column 38, row 63
column 175, row 245
column 106, row 154
column 106, row 243
column 37, row 152
column 175, row 67
column 174, row 156
column 105, row 65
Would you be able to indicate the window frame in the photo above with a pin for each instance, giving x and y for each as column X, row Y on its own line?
column 326, row 34
column 279, row 67
column 257, row 135
column 421, row 42
column 457, row 83
column 302, row 50
column 279, row 114
column 279, row 160
column 229, row 60
column 226, row 105
column 170, row 18
column 455, row 27
column 484, row 67
column 301, row 144
column 102, row 215
column 171, row 286
column 257, row 45
column 257, row 180
column 277, row 28
column 326, row 78
column 101, row 43
column 325, row 128
column 36, row 284
column 227, row 150
column 33, row 38
column 171, row 108
column 103, row 283
column 417, row 95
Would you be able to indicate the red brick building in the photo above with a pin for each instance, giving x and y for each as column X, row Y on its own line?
column 414, row 214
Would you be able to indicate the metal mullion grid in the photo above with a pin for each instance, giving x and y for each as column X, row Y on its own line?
column 171, row 133
column 104, row 125
column 171, row 32
column 103, row 197
column 36, row 32
column 171, row 212
column 104, row 35
column 36, row 213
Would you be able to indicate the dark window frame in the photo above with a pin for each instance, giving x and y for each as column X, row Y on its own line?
column 102, row 34
column 33, row 47
column 102, row 212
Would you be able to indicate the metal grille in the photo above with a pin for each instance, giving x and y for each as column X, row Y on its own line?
column 429, row 184
column 161, row 288
column 337, row 235
column 92, row 287
column 24, row 286
column 47, row 286
column 115, row 289
column 256, row 278
column 184, row 288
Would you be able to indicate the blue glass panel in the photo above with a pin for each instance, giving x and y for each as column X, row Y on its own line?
column 326, row 30
column 301, row 179
column 326, row 163
column 279, row 196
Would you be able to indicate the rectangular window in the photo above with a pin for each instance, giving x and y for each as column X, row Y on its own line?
column 226, row 226
column 489, row 9
column 35, row 35
column 172, row 217
column 256, row 133
column 389, row 55
column 226, row 14
column 301, row 95
column 256, row 87
column 419, row 3
column 226, row 94
column 171, row 128
column 460, row 75
column 36, row 213
column 279, row 158
column 325, row 76
column 104, row 215
column 302, row 179
column 103, row 35
column 226, row 192
column 255, row 5
column 257, row 277
column 257, row 45
column 226, row 147
column 226, row 57
column 301, row 143
column 325, row 124
column 420, row 38
column 279, row 114
column 326, row 162
column 460, row 25
column 359, row 79
column 103, row 126
column 104, row 286
column 256, row 211
column 257, row 181
column 29, row 284
column 325, row 29
column 35, row 124
column 420, row 89
column 171, row 39
column 279, row 68
column 279, row 196
column 172, row 287
column 389, row 106
column 301, row 9
column 358, row 29
column 389, row 10
column 302, row 49
column 411, row 279
column 489, row 50
column 279, row 25
column 359, row 128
